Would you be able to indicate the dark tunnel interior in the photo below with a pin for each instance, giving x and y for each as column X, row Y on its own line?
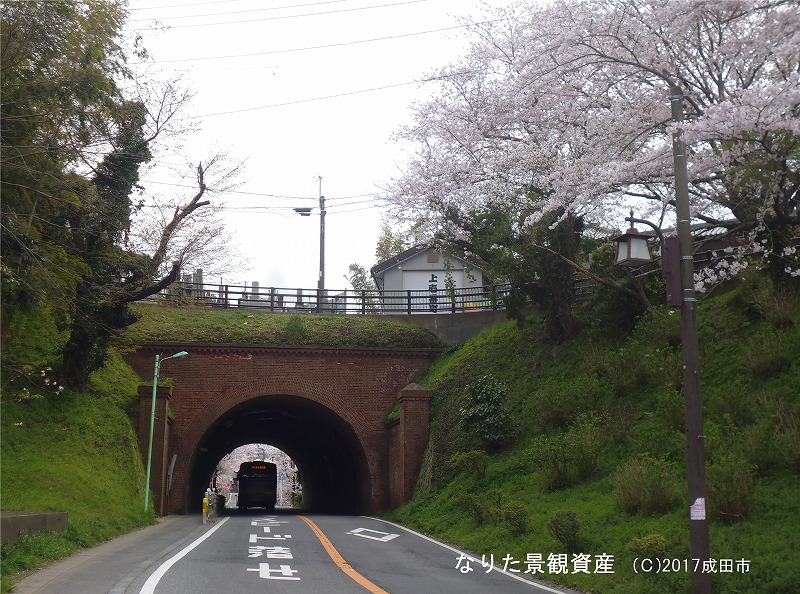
column 325, row 449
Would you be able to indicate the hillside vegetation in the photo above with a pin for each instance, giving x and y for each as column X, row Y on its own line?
column 596, row 464
column 238, row 326
column 66, row 451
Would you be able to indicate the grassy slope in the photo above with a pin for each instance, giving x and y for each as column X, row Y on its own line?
column 198, row 324
column 66, row 451
column 750, row 365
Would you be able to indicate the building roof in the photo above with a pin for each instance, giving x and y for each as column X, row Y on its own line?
column 401, row 257
column 381, row 267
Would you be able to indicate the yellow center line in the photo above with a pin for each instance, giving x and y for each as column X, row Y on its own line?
column 339, row 560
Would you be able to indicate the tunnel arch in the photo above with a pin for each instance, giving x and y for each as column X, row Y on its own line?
column 331, row 409
column 325, row 448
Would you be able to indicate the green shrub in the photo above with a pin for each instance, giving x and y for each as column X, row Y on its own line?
column 645, row 484
column 617, row 421
column 494, row 506
column 651, row 434
column 485, row 411
column 473, row 506
column 565, row 528
column 759, row 445
column 671, row 408
column 474, row 462
column 652, row 546
column 660, row 325
column 586, row 443
column 781, row 308
column 517, row 517
column 563, row 459
column 552, row 458
column 296, row 330
column 730, row 488
column 487, row 507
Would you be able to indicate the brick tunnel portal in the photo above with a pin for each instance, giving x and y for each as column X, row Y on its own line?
column 326, row 450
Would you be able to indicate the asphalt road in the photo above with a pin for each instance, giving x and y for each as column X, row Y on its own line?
column 257, row 552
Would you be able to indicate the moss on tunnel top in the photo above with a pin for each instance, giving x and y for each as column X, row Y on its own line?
column 158, row 323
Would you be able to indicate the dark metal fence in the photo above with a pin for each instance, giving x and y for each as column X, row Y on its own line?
column 349, row 301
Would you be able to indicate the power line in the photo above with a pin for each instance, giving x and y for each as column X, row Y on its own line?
column 350, row 197
column 372, row 207
column 308, row 48
column 294, row 16
column 192, row 5
column 310, row 100
column 280, row 196
column 228, row 12
column 347, row 94
column 267, row 195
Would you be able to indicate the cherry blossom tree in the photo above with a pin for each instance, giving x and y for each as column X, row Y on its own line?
column 566, row 107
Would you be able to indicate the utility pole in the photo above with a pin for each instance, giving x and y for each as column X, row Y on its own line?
column 321, row 281
column 699, row 541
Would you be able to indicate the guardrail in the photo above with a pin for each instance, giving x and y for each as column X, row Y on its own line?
column 348, row 301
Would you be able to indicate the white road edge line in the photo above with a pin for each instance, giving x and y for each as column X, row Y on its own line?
column 472, row 559
column 151, row 583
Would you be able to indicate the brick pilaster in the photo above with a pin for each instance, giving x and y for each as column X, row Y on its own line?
column 415, row 403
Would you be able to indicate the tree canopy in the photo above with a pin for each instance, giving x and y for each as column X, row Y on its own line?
column 74, row 138
column 564, row 108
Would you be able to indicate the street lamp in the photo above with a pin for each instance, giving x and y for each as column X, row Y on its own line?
column 632, row 247
column 159, row 360
column 633, row 250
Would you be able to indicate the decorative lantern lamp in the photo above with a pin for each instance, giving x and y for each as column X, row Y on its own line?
column 632, row 248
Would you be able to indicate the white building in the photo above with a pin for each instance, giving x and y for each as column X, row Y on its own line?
column 420, row 278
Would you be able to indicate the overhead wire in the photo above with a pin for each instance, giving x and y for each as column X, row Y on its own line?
column 309, row 100
column 230, row 11
column 313, row 99
column 354, row 199
column 192, row 5
column 280, row 196
column 311, row 47
column 293, row 16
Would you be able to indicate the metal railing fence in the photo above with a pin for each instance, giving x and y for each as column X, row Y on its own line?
column 347, row 301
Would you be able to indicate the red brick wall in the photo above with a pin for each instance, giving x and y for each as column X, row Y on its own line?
column 359, row 386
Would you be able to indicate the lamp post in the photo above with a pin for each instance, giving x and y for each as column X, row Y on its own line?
column 699, row 541
column 306, row 212
column 678, row 268
column 321, row 280
column 159, row 360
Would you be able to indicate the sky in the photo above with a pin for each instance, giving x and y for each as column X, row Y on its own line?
column 309, row 95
